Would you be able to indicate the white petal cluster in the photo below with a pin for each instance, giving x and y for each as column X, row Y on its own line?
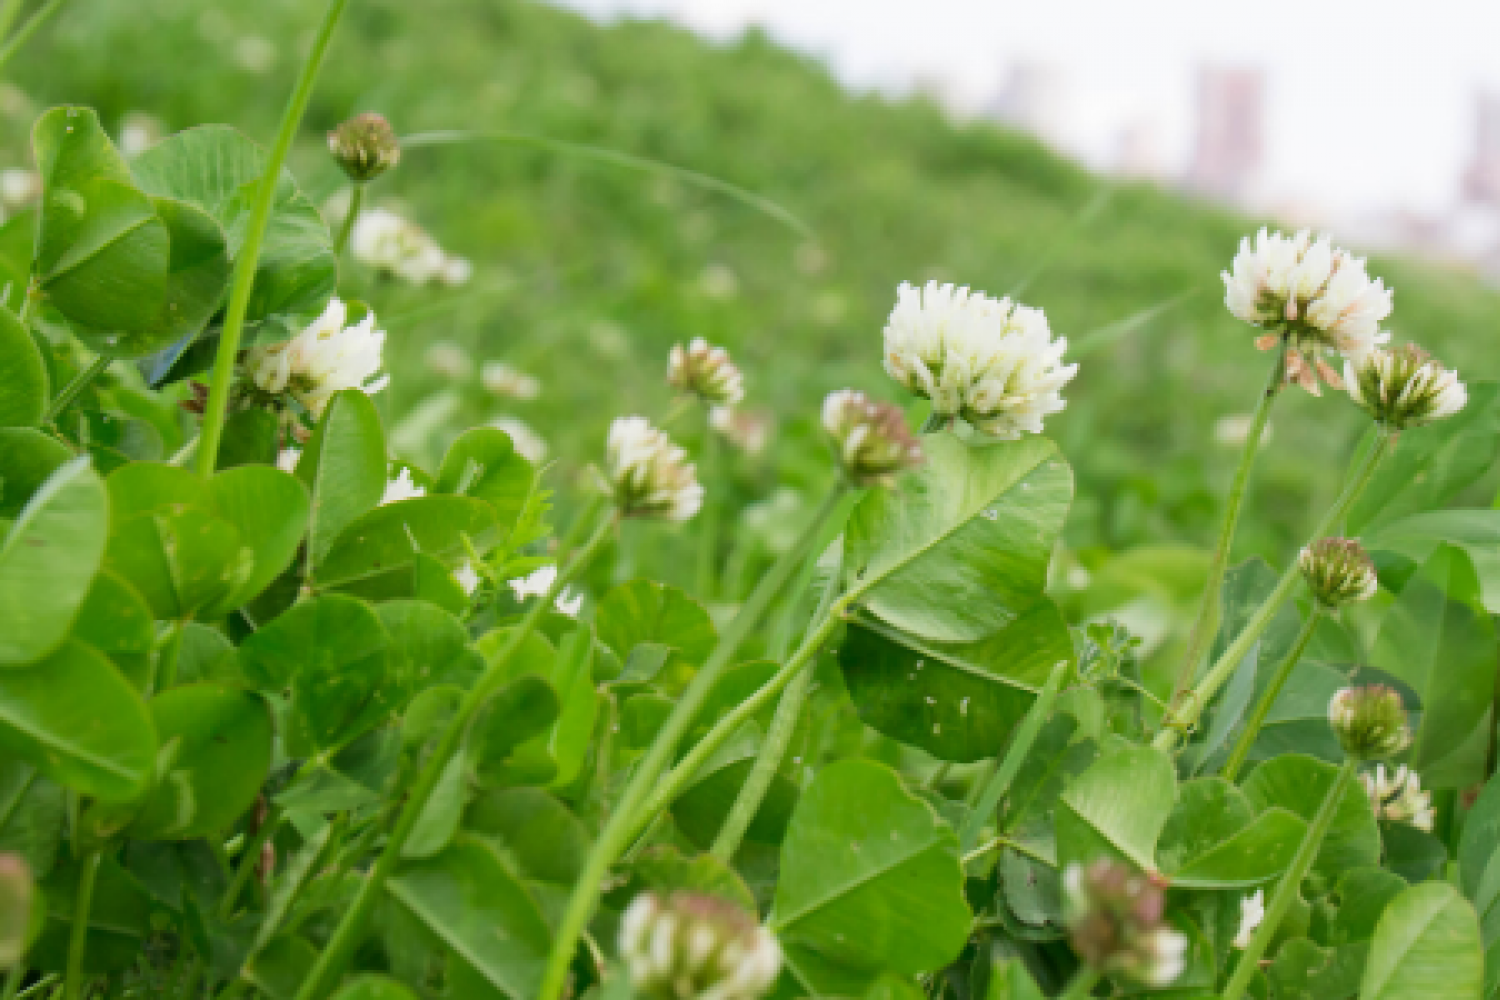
column 403, row 487
column 445, row 358
column 1338, row 571
column 1297, row 281
column 1405, row 387
column 648, row 474
column 871, row 438
column 992, row 362
column 707, row 372
column 749, row 432
column 507, row 380
column 689, row 946
column 1397, row 797
column 467, row 577
column 323, row 359
column 538, row 583
column 287, row 459
column 387, row 242
column 1252, row 912
column 1117, row 923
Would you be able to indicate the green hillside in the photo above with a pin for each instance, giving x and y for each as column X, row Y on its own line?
column 572, row 254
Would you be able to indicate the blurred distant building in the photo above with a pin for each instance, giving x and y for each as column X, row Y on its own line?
column 1481, row 180
column 1035, row 99
column 1228, row 150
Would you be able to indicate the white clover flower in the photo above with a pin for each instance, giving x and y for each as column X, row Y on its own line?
column 323, row 359
column 749, row 432
column 1338, row 571
column 528, row 443
column 456, row 271
column 537, row 585
column 19, row 188
column 871, row 438
column 387, row 242
column 287, row 459
column 991, row 361
column 445, row 358
column 1252, row 912
column 1116, row 919
column 1164, row 952
column 507, row 380
column 707, row 372
column 1397, row 797
column 692, row 946
column 719, row 281
column 1405, row 387
column 467, row 577
column 648, row 474
column 403, row 487
column 1318, row 296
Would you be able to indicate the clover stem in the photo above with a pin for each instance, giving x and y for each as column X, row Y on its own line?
column 1291, row 883
column 1268, row 697
column 346, row 935
column 1082, row 984
column 356, row 202
column 222, row 376
column 623, row 823
column 79, row 932
column 26, row 30
column 1186, row 711
column 76, row 385
column 709, row 465
column 1208, row 609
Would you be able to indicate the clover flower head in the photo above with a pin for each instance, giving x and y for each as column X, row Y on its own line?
column 365, row 146
column 1117, row 923
column 326, row 357
column 992, row 362
column 1404, row 387
column 648, row 475
column 1338, row 571
column 1397, row 796
column 1370, row 721
column 871, row 438
column 692, row 946
column 707, row 372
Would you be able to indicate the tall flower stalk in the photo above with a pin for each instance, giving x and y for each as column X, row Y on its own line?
column 222, row 377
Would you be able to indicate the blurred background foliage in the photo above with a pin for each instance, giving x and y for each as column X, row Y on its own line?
column 586, row 273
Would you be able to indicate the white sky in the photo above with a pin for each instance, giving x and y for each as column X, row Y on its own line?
column 1369, row 102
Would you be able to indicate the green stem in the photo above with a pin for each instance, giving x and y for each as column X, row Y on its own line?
column 356, row 201
column 164, row 673
column 1082, row 985
column 25, row 31
column 320, row 980
column 13, row 981
column 249, row 858
column 1020, row 748
column 1492, row 754
column 245, row 264
column 708, row 517
column 1188, row 708
column 1208, row 610
column 73, row 388
column 1291, row 883
column 1268, row 697
column 79, row 933
column 8, row 15
column 623, row 823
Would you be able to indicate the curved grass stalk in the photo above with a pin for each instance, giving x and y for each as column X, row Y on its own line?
column 77, row 384
column 79, row 932
column 1185, row 715
column 27, row 29
column 630, row 161
column 624, row 822
column 222, row 375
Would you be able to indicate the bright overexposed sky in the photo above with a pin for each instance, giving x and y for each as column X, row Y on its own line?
column 1369, row 104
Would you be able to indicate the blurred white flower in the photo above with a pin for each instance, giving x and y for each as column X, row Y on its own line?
column 254, row 53
column 706, row 371
column 1319, row 296
column 403, row 487
column 445, row 358
column 507, row 380
column 693, row 946
column 139, row 131
column 1405, row 387
column 323, row 359
column 537, row 585
column 1230, row 431
column 528, row 443
column 648, row 474
column 609, row 340
column 456, row 271
column 287, row 459
column 718, row 281
column 991, row 361
column 747, row 431
column 1252, row 912
column 1397, row 797
column 871, row 438
column 1116, row 920
column 466, row 577
column 387, row 242
column 19, row 188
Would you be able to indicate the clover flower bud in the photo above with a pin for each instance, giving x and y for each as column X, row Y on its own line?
column 1338, row 571
column 1318, row 296
column 648, row 475
column 1397, row 797
column 1117, row 923
column 690, row 946
column 992, row 362
column 749, row 432
column 365, row 146
column 1404, row 387
column 1252, row 912
column 324, row 358
column 1369, row 721
column 872, row 439
column 707, row 372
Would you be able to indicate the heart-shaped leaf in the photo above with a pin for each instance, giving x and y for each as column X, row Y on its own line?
column 1299, row 784
column 24, row 390
column 344, row 469
column 1426, row 946
column 1117, row 808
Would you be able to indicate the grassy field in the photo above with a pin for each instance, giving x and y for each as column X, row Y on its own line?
column 586, row 273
